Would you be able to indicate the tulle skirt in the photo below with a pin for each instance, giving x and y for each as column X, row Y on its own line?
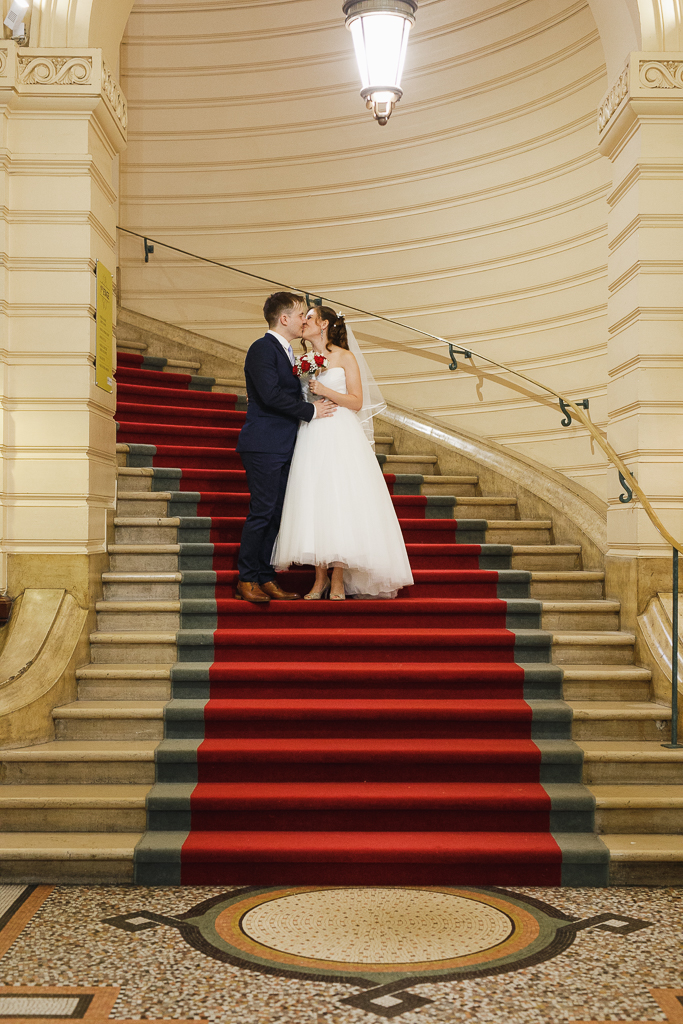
column 338, row 509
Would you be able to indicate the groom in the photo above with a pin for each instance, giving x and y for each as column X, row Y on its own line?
column 266, row 442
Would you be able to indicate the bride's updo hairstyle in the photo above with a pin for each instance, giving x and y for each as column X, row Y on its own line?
column 336, row 327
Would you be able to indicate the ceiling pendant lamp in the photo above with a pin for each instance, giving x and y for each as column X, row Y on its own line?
column 380, row 30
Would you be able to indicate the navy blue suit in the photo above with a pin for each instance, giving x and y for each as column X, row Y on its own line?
column 266, row 444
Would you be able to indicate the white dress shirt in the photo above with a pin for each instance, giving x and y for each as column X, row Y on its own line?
column 285, row 344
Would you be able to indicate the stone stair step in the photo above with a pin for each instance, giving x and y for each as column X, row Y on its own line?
column 575, row 583
column 78, row 858
column 140, row 586
column 611, row 647
column 639, row 808
column 138, row 479
column 490, row 508
column 124, row 345
column 96, row 762
column 153, row 648
column 637, row 859
column 141, row 504
column 75, row 808
column 555, row 557
column 577, row 615
column 138, row 616
column 182, row 365
column 618, row 762
column 110, row 720
column 606, row 682
column 144, row 557
column 463, row 485
column 124, row 682
column 409, row 464
column 623, row 720
column 519, row 531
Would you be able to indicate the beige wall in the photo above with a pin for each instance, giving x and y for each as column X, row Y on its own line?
column 479, row 213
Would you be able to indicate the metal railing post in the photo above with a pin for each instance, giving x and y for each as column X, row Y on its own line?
column 674, row 660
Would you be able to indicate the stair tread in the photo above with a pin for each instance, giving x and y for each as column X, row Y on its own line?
column 124, row 671
column 581, row 606
column 83, row 795
column 479, row 500
column 520, row 524
column 108, row 709
column 608, row 710
column 635, row 847
column 637, row 795
column 431, row 459
column 146, row 496
column 567, row 575
column 68, row 845
column 545, row 549
column 452, row 479
column 628, row 750
column 84, row 750
column 606, row 636
column 133, row 637
column 579, row 673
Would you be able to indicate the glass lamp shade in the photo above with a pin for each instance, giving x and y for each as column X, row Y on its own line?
column 380, row 30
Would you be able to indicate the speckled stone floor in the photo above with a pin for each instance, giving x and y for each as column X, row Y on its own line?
column 308, row 955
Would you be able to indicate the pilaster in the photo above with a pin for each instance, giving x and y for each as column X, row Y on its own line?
column 641, row 131
column 62, row 123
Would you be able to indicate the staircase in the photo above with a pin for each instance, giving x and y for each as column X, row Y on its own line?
column 477, row 730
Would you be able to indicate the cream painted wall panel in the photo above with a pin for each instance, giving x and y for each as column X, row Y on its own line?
column 479, row 213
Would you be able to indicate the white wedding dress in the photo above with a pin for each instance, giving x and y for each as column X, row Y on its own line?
column 338, row 507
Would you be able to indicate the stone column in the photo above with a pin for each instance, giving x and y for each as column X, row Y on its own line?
column 63, row 121
column 641, row 131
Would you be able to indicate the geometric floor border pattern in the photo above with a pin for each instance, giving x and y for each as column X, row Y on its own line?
column 345, row 934
column 334, row 934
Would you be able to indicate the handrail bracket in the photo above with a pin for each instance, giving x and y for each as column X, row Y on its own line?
column 567, row 421
column 452, row 351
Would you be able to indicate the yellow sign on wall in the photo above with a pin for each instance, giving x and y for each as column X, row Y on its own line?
column 104, row 358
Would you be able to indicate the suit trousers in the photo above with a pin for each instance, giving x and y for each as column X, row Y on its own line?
column 267, row 475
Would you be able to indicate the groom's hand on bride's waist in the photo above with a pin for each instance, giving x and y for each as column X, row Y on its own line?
column 324, row 408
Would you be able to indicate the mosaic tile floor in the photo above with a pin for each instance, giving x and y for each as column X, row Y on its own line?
column 325, row 955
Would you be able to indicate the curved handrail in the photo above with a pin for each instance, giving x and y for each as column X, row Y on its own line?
column 607, row 448
column 629, row 481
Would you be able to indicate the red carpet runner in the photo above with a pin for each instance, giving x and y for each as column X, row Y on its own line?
column 418, row 741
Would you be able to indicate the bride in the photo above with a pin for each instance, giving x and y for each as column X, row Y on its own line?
column 337, row 511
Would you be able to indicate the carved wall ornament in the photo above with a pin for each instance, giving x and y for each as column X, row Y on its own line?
column 661, row 74
column 54, row 70
column 3, row 62
column 617, row 93
column 112, row 90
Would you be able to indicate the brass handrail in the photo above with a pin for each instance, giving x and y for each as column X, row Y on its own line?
column 609, row 451
column 629, row 482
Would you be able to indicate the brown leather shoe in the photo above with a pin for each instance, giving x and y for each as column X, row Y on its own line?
column 251, row 592
column 275, row 591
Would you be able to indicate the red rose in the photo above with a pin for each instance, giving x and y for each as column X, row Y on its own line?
column 319, row 360
column 305, row 365
column 295, row 371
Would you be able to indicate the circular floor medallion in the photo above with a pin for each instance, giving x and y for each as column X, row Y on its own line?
column 377, row 925
column 377, row 934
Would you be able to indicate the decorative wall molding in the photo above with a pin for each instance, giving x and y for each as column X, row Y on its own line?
column 51, row 70
column 35, row 71
column 114, row 94
column 613, row 100
column 661, row 74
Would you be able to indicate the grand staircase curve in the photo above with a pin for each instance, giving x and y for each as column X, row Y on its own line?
column 426, row 740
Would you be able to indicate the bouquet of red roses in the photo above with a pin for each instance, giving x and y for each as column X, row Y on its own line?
column 308, row 364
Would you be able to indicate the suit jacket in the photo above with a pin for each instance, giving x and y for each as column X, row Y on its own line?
column 275, row 401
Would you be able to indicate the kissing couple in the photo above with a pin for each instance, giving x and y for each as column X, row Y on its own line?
column 318, row 496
